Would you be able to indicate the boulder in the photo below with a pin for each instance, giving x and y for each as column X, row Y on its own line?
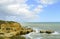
column 26, row 31
column 29, row 30
column 46, row 31
column 42, row 31
column 49, row 31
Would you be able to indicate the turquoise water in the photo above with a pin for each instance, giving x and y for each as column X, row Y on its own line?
column 55, row 26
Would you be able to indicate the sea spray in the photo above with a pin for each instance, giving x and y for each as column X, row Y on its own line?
column 55, row 33
column 36, row 30
column 37, row 35
column 32, row 35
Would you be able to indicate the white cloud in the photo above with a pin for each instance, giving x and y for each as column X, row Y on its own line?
column 47, row 1
column 21, row 9
column 4, row 2
column 12, row 1
column 12, row 18
column 21, row 1
column 38, row 9
column 24, row 12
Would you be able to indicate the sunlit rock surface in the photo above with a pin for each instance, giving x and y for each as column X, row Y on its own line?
column 11, row 28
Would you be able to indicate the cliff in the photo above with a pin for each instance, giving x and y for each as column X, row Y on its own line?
column 11, row 28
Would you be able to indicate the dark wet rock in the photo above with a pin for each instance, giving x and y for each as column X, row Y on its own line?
column 49, row 31
column 46, row 31
column 29, row 30
column 26, row 31
column 42, row 31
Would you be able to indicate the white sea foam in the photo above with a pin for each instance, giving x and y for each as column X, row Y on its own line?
column 36, row 30
column 55, row 33
column 32, row 35
column 36, row 34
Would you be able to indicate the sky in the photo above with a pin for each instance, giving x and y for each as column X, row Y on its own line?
column 30, row 10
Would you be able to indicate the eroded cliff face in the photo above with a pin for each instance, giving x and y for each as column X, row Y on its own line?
column 11, row 28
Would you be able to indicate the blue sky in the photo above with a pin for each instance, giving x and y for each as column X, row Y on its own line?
column 51, row 13
column 30, row 10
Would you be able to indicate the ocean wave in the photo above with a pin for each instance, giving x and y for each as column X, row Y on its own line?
column 55, row 33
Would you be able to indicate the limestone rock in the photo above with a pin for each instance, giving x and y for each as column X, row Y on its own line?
column 11, row 28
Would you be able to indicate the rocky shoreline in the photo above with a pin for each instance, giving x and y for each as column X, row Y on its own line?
column 11, row 28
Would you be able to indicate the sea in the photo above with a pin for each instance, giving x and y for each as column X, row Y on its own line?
column 37, row 26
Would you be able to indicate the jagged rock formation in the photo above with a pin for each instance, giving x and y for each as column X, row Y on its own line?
column 11, row 28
